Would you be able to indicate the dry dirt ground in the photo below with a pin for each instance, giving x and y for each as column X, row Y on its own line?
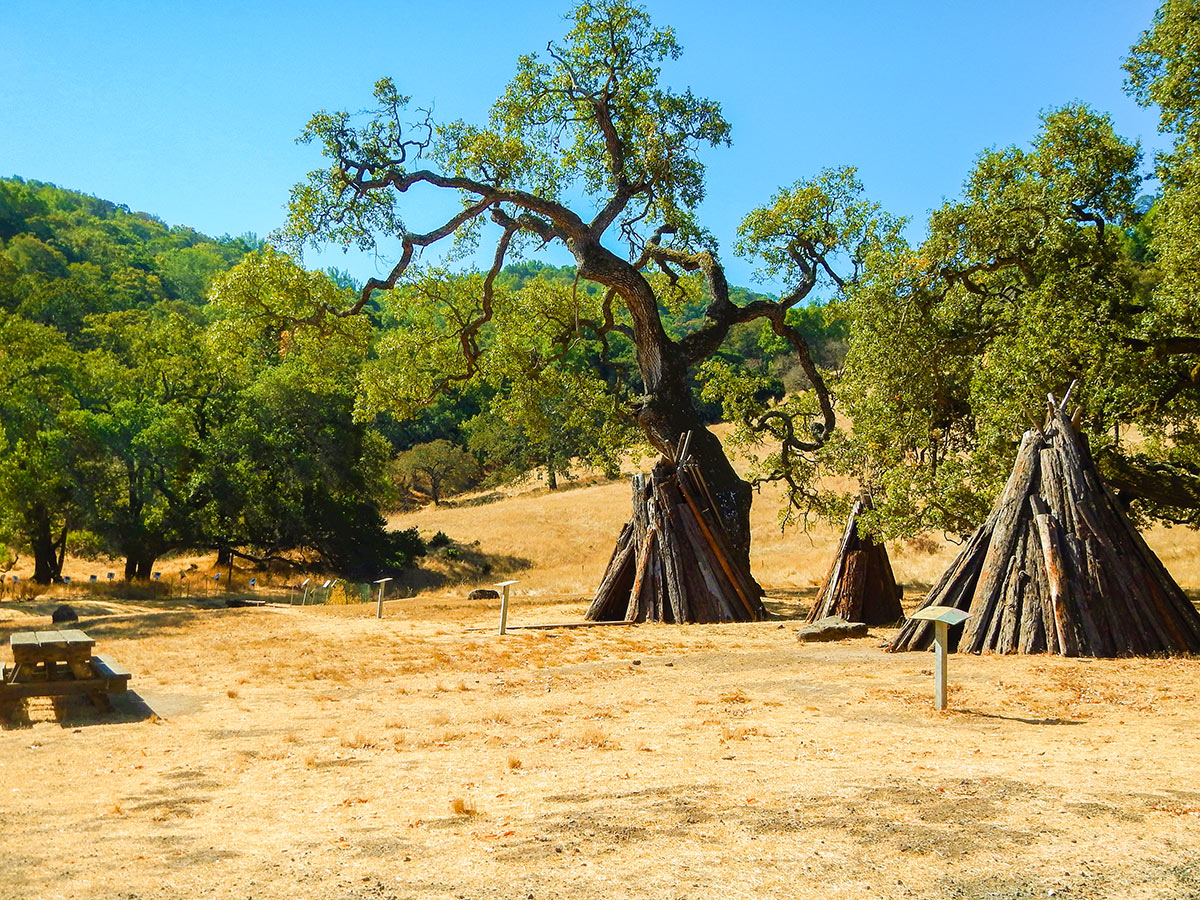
column 290, row 753
column 286, row 752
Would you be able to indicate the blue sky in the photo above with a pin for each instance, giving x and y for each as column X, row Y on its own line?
column 189, row 110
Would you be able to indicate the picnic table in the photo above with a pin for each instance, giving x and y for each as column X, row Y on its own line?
column 59, row 664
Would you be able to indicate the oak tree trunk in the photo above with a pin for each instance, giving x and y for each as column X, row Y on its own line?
column 48, row 551
column 140, row 565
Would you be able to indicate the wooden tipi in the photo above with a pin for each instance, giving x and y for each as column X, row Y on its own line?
column 674, row 561
column 860, row 586
column 1058, row 567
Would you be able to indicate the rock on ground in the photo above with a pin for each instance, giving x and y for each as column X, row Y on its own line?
column 831, row 628
column 63, row 614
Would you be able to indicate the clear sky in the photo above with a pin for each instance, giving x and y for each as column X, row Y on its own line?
column 189, row 109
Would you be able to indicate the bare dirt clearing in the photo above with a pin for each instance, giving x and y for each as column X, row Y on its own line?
column 322, row 753
column 291, row 753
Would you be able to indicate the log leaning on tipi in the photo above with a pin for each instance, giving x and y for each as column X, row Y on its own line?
column 1058, row 567
column 674, row 561
column 860, row 586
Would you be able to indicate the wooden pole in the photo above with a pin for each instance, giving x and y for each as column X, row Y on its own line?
column 504, row 585
column 379, row 606
column 941, row 646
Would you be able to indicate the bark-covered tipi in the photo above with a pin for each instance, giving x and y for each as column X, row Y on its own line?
column 1058, row 567
column 860, row 586
column 674, row 561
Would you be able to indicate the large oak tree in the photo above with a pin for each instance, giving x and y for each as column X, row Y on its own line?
column 586, row 149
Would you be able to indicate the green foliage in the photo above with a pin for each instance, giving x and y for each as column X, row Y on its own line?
column 544, row 136
column 543, row 398
column 1162, row 67
column 1164, row 70
column 292, row 467
column 96, row 300
column 824, row 219
column 153, row 391
column 1022, row 287
column 38, row 378
column 140, row 419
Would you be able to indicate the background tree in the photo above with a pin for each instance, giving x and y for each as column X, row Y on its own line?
column 154, row 396
column 292, row 467
column 39, row 376
column 436, row 469
column 1023, row 286
column 1164, row 71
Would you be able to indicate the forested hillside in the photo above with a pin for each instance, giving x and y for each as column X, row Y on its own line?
column 131, row 428
column 68, row 255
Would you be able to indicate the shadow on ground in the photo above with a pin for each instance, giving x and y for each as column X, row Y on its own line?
column 789, row 605
column 1023, row 720
column 460, row 564
column 80, row 712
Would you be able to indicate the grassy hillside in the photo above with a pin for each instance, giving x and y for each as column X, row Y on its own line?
column 558, row 543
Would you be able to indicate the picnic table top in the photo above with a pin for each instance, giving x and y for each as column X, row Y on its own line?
column 59, row 638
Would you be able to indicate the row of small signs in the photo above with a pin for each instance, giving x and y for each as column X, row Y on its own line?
column 157, row 576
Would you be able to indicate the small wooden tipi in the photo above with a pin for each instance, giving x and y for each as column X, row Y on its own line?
column 860, row 586
column 1058, row 567
column 674, row 561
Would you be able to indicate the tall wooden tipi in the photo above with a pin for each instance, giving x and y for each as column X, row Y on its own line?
column 674, row 561
column 1058, row 567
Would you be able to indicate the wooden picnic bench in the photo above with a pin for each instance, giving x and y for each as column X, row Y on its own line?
column 59, row 664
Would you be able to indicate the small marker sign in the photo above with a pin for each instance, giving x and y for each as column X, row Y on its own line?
column 942, row 618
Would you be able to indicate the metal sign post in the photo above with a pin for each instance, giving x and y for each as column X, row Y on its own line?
column 942, row 618
column 504, row 585
column 379, row 606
